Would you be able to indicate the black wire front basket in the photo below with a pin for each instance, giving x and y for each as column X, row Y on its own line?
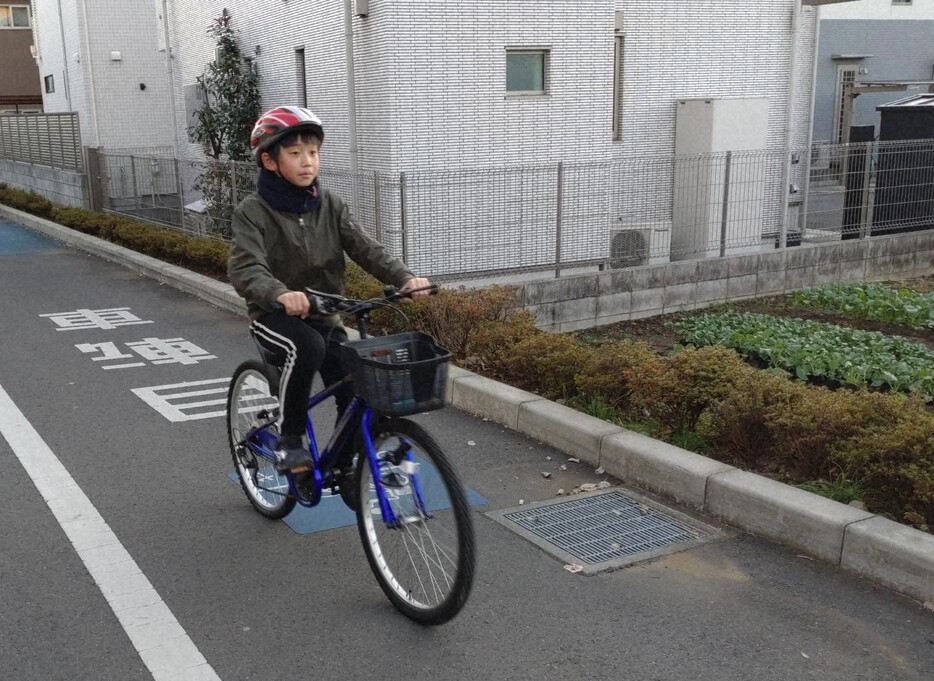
column 405, row 373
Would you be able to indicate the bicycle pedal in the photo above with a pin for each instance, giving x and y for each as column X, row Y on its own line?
column 393, row 479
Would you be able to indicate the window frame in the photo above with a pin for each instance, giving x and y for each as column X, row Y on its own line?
column 12, row 27
column 49, row 83
column 545, row 52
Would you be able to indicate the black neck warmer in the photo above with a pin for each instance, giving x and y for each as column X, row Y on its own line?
column 283, row 195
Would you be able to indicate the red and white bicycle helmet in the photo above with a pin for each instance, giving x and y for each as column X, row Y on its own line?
column 277, row 123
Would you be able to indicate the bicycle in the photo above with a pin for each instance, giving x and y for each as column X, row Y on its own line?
column 411, row 510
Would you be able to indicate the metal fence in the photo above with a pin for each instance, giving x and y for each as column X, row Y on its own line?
column 48, row 139
column 573, row 217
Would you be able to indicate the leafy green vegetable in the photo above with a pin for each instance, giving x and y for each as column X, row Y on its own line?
column 815, row 351
column 874, row 302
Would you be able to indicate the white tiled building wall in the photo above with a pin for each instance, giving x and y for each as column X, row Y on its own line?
column 59, row 48
column 120, row 114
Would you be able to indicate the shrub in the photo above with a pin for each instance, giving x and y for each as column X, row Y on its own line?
column 676, row 390
column 605, row 374
column 545, row 363
column 739, row 425
column 29, row 202
column 454, row 316
column 893, row 457
column 489, row 349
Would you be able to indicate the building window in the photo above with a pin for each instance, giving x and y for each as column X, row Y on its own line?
column 14, row 16
column 526, row 71
column 619, row 45
column 301, row 81
column 901, row 2
column 49, row 83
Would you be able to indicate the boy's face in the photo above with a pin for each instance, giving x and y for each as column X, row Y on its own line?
column 297, row 163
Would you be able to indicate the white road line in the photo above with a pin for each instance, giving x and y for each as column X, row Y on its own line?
column 165, row 648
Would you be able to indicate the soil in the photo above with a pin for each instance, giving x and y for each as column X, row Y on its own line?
column 656, row 330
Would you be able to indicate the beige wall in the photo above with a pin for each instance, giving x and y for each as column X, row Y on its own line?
column 19, row 77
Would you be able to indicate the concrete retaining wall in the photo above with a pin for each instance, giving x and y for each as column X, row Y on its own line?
column 580, row 302
column 66, row 187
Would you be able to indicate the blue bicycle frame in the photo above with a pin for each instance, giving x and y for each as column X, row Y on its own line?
column 261, row 441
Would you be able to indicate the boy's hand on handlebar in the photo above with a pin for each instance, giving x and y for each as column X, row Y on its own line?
column 295, row 303
column 417, row 282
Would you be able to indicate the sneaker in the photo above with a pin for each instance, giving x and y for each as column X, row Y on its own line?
column 292, row 456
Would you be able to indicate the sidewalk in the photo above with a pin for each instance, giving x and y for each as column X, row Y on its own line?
column 869, row 545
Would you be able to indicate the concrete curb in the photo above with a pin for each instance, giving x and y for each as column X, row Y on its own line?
column 891, row 554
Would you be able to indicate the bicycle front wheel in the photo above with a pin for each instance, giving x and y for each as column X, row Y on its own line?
column 424, row 558
column 249, row 394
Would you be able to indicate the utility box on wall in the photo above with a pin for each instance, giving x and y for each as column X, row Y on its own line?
column 719, row 183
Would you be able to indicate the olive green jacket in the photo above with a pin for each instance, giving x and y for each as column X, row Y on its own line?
column 273, row 252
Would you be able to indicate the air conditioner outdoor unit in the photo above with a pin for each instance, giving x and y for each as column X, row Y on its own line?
column 630, row 247
column 639, row 243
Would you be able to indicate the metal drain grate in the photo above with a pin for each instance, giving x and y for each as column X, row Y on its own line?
column 602, row 528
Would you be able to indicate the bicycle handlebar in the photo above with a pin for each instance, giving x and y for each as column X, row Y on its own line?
column 329, row 303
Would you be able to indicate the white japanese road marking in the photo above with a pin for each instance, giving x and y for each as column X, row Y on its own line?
column 177, row 405
column 162, row 644
column 94, row 319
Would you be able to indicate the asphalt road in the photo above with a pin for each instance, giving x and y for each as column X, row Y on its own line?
column 259, row 600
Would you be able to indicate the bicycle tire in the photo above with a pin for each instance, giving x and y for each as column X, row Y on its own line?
column 267, row 490
column 428, row 542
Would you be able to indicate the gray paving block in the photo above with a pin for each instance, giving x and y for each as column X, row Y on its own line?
column 898, row 556
column 879, row 246
column 801, row 256
column 852, row 270
column 648, row 277
column 681, row 273
column 542, row 315
column 741, row 287
column 770, row 282
column 660, row 467
column 575, row 310
column 565, row 429
column 614, row 281
column 772, row 261
column 827, row 273
column 680, row 296
column 853, row 250
column 712, row 269
column 489, row 398
column 782, row 513
column 799, row 278
column 647, row 300
column 613, row 305
column 712, row 291
column 742, row 265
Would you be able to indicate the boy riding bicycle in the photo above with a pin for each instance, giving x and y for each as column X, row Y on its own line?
column 288, row 235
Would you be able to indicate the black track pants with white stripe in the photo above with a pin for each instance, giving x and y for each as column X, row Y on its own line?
column 301, row 348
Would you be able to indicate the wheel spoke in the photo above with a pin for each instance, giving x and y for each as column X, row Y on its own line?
column 424, row 559
column 249, row 397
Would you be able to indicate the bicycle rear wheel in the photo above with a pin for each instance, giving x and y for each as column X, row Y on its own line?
column 424, row 562
column 249, row 394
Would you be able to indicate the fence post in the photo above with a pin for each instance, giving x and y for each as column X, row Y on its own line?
column 864, row 201
column 135, row 182
column 378, row 223
column 181, row 194
column 95, row 189
column 725, row 210
column 558, row 220
column 405, row 246
column 233, row 184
